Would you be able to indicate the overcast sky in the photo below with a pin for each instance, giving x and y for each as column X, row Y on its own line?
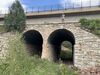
column 4, row 4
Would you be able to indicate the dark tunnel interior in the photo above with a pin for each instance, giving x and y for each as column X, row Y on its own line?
column 33, row 41
column 57, row 37
column 60, row 35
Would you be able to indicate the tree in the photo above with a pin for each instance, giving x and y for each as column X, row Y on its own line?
column 15, row 20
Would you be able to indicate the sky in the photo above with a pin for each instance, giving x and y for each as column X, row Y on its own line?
column 29, row 4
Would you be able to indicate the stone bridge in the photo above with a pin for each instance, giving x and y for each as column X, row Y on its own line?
column 49, row 32
column 86, row 46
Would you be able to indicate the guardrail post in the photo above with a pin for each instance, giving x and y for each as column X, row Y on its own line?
column 99, row 3
column 26, row 11
column 90, row 3
column 58, row 7
column 38, row 9
column 81, row 3
column 32, row 9
column 65, row 6
column 51, row 8
column 73, row 5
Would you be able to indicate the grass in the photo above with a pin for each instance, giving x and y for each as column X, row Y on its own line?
column 66, row 54
column 93, row 25
column 19, row 63
column 2, row 29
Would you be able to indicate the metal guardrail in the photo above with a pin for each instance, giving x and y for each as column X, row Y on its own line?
column 66, row 6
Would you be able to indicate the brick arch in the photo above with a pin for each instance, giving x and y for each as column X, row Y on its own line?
column 33, row 41
column 55, row 40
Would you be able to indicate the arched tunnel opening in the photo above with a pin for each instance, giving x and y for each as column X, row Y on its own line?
column 33, row 41
column 66, row 54
column 56, row 40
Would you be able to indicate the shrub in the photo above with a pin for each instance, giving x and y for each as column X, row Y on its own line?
column 92, row 25
column 64, row 70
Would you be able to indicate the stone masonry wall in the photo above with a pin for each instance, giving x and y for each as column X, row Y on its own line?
column 86, row 49
column 4, row 39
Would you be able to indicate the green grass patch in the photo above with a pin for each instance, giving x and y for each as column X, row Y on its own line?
column 2, row 29
column 19, row 63
column 66, row 55
column 92, row 25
